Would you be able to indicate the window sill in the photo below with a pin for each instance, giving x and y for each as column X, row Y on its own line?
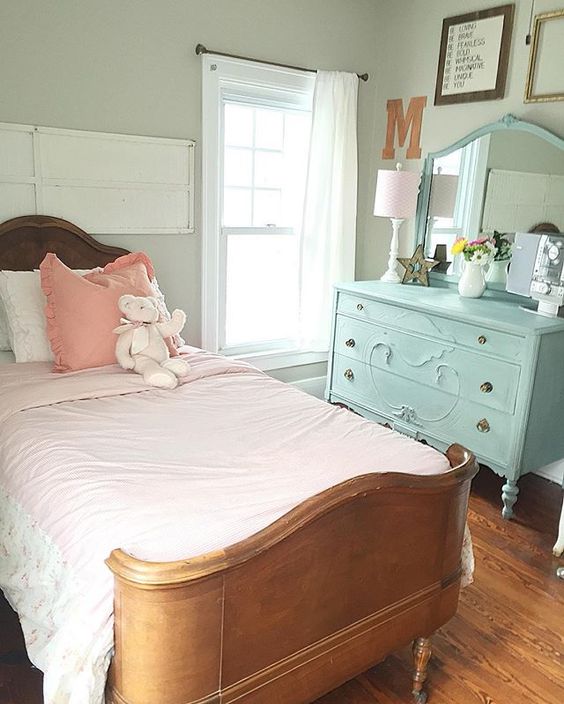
column 267, row 361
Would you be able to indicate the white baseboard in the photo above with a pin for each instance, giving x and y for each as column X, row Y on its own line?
column 554, row 472
column 315, row 386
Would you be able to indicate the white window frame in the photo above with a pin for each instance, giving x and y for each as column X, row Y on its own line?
column 470, row 194
column 233, row 79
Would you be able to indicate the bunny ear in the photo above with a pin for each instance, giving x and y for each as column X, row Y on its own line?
column 124, row 300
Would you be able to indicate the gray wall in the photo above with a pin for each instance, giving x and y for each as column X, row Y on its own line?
column 520, row 151
column 129, row 66
column 409, row 68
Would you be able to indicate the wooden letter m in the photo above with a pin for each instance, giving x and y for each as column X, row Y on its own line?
column 404, row 124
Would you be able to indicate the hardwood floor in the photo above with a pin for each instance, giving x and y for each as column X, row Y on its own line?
column 504, row 646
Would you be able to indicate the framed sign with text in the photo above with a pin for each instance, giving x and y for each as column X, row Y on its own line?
column 474, row 56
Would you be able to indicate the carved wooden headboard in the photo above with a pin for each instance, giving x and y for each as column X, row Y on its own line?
column 25, row 241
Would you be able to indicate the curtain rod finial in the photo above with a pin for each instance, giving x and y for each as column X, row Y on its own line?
column 201, row 49
column 363, row 76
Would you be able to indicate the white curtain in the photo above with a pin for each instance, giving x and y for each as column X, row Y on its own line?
column 329, row 225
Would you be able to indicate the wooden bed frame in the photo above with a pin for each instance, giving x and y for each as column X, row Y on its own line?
column 316, row 598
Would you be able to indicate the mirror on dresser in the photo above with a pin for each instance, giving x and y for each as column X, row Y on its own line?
column 507, row 176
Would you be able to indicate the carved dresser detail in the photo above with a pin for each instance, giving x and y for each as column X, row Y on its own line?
column 481, row 372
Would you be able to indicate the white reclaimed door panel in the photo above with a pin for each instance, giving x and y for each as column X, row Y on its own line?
column 113, row 158
column 140, row 209
column 515, row 201
column 106, row 183
column 16, row 199
column 555, row 214
column 16, row 153
column 556, row 191
column 529, row 189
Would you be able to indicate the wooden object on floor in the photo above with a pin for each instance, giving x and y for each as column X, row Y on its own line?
column 328, row 590
column 292, row 612
column 421, row 657
column 504, row 645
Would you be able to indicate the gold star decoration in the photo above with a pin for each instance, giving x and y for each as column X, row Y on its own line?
column 416, row 267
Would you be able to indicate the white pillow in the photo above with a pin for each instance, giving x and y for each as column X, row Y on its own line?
column 4, row 337
column 24, row 304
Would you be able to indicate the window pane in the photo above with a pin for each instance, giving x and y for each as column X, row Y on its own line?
column 237, row 207
column 297, row 129
column 269, row 129
column 448, row 164
column 238, row 167
column 294, row 172
column 267, row 208
column 262, row 288
column 268, row 169
column 238, row 125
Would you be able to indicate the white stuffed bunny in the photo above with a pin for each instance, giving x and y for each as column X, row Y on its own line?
column 141, row 345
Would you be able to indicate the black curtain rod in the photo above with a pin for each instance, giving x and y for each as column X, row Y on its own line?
column 201, row 49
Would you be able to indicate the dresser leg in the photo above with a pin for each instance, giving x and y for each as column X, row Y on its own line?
column 421, row 657
column 509, row 493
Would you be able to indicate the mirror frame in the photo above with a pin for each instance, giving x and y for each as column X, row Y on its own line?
column 507, row 122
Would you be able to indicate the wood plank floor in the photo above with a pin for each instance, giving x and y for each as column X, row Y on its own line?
column 505, row 645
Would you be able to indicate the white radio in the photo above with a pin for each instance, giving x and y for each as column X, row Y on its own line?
column 537, row 270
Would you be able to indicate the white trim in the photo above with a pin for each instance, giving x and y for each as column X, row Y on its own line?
column 477, row 185
column 233, row 79
column 270, row 230
column 314, row 386
column 553, row 472
column 90, row 134
column 267, row 361
column 210, row 204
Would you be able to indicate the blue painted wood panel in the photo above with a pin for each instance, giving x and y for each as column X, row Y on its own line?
column 481, row 372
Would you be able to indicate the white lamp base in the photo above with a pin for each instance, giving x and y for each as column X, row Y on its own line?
column 391, row 276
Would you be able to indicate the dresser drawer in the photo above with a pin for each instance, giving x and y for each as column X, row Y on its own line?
column 429, row 412
column 478, row 338
column 431, row 363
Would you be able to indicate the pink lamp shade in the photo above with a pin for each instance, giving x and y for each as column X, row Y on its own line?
column 396, row 193
column 444, row 188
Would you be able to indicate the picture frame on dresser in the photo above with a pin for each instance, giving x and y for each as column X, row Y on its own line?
column 486, row 372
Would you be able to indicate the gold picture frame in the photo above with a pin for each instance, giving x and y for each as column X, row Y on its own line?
column 553, row 46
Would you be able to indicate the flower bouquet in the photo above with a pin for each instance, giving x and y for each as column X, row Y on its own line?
column 503, row 245
column 477, row 254
column 497, row 270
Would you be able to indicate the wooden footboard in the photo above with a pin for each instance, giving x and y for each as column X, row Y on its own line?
column 321, row 595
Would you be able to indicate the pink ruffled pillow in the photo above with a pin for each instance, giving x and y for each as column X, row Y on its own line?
column 82, row 311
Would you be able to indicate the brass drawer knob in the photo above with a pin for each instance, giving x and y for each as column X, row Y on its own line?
column 483, row 426
column 349, row 374
column 360, row 307
column 486, row 387
column 350, row 342
column 482, row 340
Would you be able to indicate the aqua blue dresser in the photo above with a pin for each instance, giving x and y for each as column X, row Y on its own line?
column 480, row 372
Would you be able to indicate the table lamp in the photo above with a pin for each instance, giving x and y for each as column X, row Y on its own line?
column 396, row 198
column 444, row 188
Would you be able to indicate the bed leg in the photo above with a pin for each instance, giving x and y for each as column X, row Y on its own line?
column 421, row 657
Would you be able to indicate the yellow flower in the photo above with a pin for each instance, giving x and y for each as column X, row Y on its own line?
column 458, row 246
